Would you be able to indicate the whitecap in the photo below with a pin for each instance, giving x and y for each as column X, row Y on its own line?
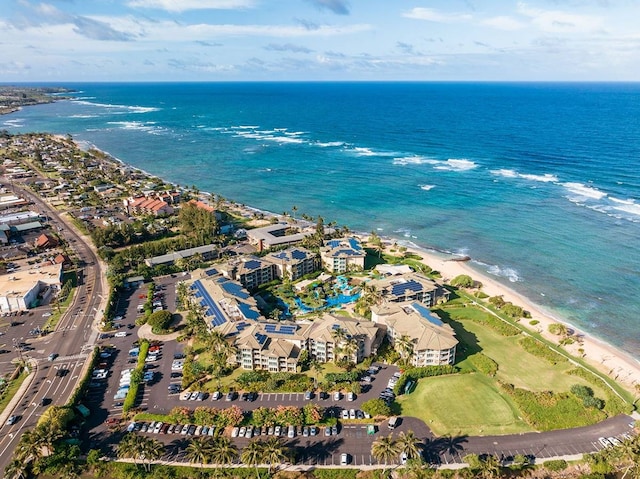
column 510, row 273
column 427, row 187
column 456, row 164
column 546, row 178
column 583, row 191
column 505, row 173
column 363, row 151
column 414, row 160
column 128, row 108
column 82, row 116
column 329, row 144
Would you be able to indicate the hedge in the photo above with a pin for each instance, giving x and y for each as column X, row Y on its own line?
column 613, row 404
column 417, row 373
column 136, row 378
column 82, row 384
column 484, row 364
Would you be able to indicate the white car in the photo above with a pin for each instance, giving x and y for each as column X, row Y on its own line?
column 157, row 427
column 345, row 414
column 120, row 334
column 344, row 459
column 235, row 431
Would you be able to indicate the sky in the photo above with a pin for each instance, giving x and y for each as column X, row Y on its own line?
column 319, row 40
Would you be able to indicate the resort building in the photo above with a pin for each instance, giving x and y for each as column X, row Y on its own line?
column 249, row 271
column 342, row 255
column 398, row 288
column 275, row 235
column 225, row 303
column 332, row 337
column 148, row 206
column 417, row 333
column 293, row 263
column 268, row 346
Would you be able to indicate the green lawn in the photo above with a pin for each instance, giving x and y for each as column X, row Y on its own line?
column 463, row 404
column 516, row 366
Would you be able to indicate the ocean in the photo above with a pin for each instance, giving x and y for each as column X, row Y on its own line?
column 537, row 182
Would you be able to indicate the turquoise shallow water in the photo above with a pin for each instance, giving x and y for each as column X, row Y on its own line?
column 538, row 183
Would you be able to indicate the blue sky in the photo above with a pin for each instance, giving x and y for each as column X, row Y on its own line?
column 256, row 40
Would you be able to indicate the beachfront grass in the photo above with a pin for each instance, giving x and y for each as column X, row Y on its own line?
column 515, row 365
column 468, row 404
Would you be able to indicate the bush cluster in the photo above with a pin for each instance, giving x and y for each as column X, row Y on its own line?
column 484, row 364
column 613, row 403
column 136, row 378
column 540, row 350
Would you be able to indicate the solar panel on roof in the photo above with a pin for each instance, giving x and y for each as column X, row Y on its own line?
column 298, row 254
column 281, row 255
column 211, row 308
column 402, row 288
column 247, row 311
column 211, row 272
column 235, row 289
column 253, row 264
column 355, row 244
column 270, row 328
column 334, row 243
column 426, row 314
column 261, row 338
column 241, row 326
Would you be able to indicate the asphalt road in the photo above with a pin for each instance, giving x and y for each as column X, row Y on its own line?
column 72, row 340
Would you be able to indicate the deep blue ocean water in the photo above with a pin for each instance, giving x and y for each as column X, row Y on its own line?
column 538, row 183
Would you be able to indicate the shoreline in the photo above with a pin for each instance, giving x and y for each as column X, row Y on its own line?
column 605, row 357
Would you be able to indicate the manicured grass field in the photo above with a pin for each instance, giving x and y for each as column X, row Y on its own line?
column 516, row 366
column 463, row 404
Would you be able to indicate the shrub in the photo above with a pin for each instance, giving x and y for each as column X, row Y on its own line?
column 533, row 322
column 555, row 465
column 159, row 321
column 541, row 350
column 613, row 404
column 462, row 281
column 484, row 364
column 376, row 407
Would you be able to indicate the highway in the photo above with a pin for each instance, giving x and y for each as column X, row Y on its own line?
column 72, row 340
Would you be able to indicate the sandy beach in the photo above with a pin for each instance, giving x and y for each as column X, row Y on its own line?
column 603, row 356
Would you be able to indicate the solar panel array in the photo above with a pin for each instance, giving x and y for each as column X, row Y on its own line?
column 281, row 255
column 261, row 338
column 211, row 272
column 211, row 309
column 273, row 328
column 333, row 243
column 253, row 264
column 355, row 244
column 426, row 314
column 242, row 325
column 248, row 312
column 298, row 254
column 402, row 288
column 234, row 289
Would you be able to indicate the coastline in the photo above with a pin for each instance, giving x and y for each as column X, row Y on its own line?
column 603, row 356
column 606, row 358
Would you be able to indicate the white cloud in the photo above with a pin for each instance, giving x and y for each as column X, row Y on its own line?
column 432, row 15
column 503, row 23
column 558, row 21
column 184, row 5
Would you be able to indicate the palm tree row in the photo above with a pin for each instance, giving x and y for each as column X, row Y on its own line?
column 32, row 447
column 387, row 449
column 209, row 450
column 269, row 452
column 140, row 448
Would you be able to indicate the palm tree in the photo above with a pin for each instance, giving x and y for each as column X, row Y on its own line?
column 384, row 449
column 29, row 447
column 223, row 451
column 46, row 435
column 274, row 452
column 16, row 469
column 199, row 450
column 409, row 444
column 404, row 345
column 129, row 446
column 253, row 454
column 151, row 450
column 489, row 467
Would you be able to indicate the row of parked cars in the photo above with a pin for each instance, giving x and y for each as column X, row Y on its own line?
column 354, row 414
column 158, row 427
column 279, row 431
